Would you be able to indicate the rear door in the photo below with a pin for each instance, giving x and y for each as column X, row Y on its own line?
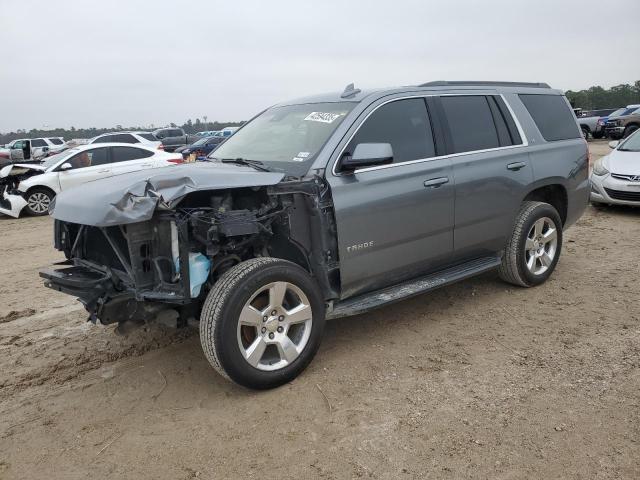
column 491, row 169
column 130, row 159
column 85, row 166
column 395, row 221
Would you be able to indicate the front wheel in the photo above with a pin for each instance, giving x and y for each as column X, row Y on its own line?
column 532, row 252
column 38, row 201
column 262, row 322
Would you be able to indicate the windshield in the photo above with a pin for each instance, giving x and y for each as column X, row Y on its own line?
column 617, row 113
column 53, row 159
column 286, row 138
column 631, row 144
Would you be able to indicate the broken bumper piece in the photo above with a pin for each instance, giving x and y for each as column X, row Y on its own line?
column 11, row 204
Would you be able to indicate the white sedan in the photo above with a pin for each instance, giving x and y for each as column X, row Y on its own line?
column 32, row 187
column 615, row 178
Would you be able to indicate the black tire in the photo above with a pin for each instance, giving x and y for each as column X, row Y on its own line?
column 514, row 261
column 629, row 130
column 585, row 133
column 219, row 321
column 38, row 201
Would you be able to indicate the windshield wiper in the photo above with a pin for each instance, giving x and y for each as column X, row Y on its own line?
column 243, row 161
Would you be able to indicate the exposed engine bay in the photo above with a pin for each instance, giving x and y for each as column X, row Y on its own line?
column 134, row 270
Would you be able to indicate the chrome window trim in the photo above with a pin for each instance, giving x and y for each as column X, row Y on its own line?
column 523, row 137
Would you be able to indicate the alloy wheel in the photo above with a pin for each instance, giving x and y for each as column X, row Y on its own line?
column 541, row 245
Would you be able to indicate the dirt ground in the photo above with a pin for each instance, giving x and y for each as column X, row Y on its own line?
column 475, row 380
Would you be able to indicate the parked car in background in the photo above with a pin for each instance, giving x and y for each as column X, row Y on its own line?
column 32, row 187
column 615, row 178
column 329, row 206
column 202, row 147
column 602, row 121
column 207, row 133
column 173, row 138
column 30, row 150
column 145, row 138
column 623, row 124
column 592, row 123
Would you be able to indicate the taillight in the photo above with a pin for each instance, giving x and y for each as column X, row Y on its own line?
column 161, row 147
column 176, row 160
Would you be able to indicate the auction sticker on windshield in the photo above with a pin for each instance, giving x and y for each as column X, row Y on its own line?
column 323, row 117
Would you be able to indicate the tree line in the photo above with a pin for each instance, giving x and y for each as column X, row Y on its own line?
column 71, row 133
column 597, row 97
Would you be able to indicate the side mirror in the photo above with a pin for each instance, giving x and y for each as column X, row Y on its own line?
column 367, row 155
column 66, row 166
column 614, row 144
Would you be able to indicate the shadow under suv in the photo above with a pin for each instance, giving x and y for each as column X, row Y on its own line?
column 326, row 207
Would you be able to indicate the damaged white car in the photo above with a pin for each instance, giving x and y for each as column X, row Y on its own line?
column 32, row 187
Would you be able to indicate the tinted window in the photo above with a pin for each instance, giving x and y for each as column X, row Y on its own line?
column 404, row 124
column 123, row 154
column 125, row 138
column 552, row 116
column 148, row 136
column 104, row 139
column 470, row 122
column 38, row 142
column 55, row 141
column 89, row 158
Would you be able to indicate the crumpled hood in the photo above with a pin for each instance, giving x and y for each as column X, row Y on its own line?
column 623, row 163
column 133, row 197
column 18, row 168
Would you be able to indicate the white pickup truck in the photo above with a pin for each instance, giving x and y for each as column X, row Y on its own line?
column 589, row 121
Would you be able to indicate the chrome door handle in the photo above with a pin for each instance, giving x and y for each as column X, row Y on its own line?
column 516, row 166
column 436, row 182
column 106, row 170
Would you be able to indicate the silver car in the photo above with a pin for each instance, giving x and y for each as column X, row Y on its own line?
column 616, row 177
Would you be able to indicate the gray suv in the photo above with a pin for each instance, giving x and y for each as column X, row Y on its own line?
column 326, row 207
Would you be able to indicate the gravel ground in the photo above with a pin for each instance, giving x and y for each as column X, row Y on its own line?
column 476, row 380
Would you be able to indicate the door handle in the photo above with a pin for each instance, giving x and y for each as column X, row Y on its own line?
column 147, row 164
column 516, row 166
column 436, row 182
column 106, row 170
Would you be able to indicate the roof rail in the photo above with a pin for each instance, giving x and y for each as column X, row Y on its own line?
column 475, row 83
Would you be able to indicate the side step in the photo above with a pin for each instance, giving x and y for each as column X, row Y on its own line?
column 411, row 288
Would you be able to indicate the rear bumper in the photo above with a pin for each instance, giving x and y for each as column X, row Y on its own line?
column 11, row 204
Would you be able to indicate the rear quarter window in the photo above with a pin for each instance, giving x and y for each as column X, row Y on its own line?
column 148, row 136
column 552, row 116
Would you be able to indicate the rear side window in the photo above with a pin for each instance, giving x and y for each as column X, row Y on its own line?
column 38, row 142
column 470, row 122
column 105, row 139
column 402, row 123
column 125, row 138
column 124, row 154
column 55, row 141
column 148, row 136
column 552, row 116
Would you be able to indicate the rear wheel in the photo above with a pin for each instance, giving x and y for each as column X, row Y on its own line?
column 585, row 133
column 532, row 252
column 38, row 201
column 262, row 322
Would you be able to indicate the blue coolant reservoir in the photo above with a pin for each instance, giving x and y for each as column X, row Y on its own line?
column 199, row 267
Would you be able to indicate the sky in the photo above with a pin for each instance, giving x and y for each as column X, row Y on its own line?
column 103, row 63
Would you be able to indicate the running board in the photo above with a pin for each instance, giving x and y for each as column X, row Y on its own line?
column 395, row 293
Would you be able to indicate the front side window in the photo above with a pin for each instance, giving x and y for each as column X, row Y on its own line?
column 470, row 122
column 125, row 138
column 89, row 158
column 124, row 154
column 402, row 123
column 286, row 138
column 552, row 116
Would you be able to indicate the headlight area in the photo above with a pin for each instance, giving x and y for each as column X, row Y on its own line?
column 599, row 169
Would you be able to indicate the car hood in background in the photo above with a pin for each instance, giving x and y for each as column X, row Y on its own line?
column 623, row 163
column 133, row 197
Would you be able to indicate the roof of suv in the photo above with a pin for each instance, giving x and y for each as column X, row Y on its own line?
column 352, row 94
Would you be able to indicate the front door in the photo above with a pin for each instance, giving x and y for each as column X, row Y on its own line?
column 394, row 221
column 19, row 149
column 85, row 166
